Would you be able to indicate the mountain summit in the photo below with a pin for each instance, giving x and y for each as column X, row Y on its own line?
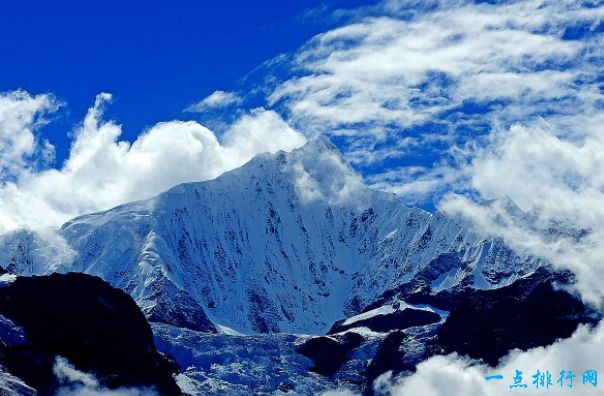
column 290, row 242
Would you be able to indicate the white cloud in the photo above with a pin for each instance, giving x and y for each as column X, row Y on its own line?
column 260, row 131
column 374, row 81
column 216, row 100
column 329, row 180
column 557, row 176
column 414, row 183
column 77, row 383
column 371, row 71
column 455, row 376
column 393, row 85
column 339, row 392
column 20, row 115
column 67, row 373
column 102, row 171
column 385, row 77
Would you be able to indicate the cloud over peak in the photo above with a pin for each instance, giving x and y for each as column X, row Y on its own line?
column 103, row 171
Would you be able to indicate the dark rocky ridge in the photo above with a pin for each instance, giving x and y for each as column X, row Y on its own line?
column 177, row 307
column 98, row 328
column 421, row 283
column 532, row 312
column 329, row 353
column 390, row 356
column 482, row 324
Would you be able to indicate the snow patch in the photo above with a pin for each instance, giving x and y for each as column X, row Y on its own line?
column 7, row 279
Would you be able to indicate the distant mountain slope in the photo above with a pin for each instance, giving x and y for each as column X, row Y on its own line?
column 290, row 242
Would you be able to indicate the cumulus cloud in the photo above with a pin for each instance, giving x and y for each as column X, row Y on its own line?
column 216, row 100
column 496, row 99
column 455, row 376
column 103, row 171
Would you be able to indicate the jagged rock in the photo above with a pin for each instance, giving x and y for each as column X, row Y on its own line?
column 482, row 324
column 13, row 386
column 288, row 243
column 176, row 307
column 329, row 353
column 389, row 356
column 529, row 313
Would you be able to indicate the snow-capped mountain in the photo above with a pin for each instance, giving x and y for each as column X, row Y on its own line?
column 289, row 242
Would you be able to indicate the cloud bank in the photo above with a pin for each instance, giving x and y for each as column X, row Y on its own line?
column 473, row 104
column 103, row 171
column 453, row 376
column 483, row 100
column 20, row 115
column 464, row 102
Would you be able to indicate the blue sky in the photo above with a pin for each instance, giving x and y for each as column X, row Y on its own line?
column 154, row 57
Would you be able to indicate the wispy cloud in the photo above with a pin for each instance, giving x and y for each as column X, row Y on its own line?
column 20, row 116
column 482, row 100
column 216, row 100
column 442, row 73
column 462, row 102
column 556, row 175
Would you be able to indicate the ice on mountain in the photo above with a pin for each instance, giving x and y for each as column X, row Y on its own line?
column 289, row 242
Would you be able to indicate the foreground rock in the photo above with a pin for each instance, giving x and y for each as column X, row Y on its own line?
column 78, row 317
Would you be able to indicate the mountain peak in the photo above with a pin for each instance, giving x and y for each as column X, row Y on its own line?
column 320, row 143
column 320, row 172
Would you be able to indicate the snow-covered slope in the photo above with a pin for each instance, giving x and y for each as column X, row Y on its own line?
column 289, row 242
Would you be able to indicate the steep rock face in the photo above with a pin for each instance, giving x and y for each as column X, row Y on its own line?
column 486, row 325
column 13, row 386
column 529, row 313
column 98, row 328
column 329, row 353
column 390, row 356
column 290, row 242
